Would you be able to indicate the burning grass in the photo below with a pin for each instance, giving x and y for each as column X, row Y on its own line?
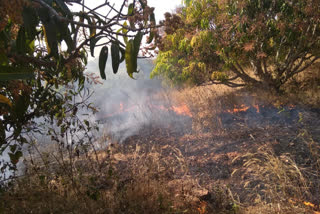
column 234, row 152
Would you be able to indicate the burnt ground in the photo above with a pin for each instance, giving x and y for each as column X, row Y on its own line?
column 210, row 154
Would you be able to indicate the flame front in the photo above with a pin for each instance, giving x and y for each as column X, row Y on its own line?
column 243, row 108
column 182, row 110
column 179, row 110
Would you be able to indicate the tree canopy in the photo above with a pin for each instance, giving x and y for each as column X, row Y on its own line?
column 44, row 50
column 237, row 43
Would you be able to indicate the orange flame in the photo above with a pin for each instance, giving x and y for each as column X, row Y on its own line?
column 182, row 110
column 241, row 108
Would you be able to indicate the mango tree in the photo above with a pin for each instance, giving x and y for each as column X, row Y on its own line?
column 237, row 43
column 44, row 47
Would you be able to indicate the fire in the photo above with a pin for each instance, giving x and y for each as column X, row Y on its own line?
column 306, row 203
column 182, row 110
column 179, row 110
column 243, row 108
column 257, row 108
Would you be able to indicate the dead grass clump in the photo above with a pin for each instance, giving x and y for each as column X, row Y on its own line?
column 304, row 88
column 275, row 184
column 205, row 104
column 111, row 182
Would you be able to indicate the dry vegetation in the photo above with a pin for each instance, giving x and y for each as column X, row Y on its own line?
column 222, row 162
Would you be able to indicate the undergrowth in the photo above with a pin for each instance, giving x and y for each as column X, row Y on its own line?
column 155, row 178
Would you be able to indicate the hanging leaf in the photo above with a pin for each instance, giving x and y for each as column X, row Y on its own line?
column 90, row 21
column 123, row 53
column 115, row 56
column 3, row 58
column 130, row 9
column 14, row 157
column 103, row 61
column 137, row 42
column 49, row 29
column 93, row 42
column 65, row 34
column 63, row 7
column 50, row 35
column 16, row 76
column 142, row 4
column 151, row 36
column 152, row 18
column 5, row 100
column 14, row 73
column 49, row 2
column 93, row 30
column 21, row 42
column 125, row 31
column 131, row 54
column 130, row 13
column 153, row 23
column 30, row 22
column 131, row 61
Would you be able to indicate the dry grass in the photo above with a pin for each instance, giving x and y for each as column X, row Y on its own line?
column 304, row 88
column 142, row 181
column 277, row 184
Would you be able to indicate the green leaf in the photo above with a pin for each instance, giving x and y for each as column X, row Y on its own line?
column 103, row 61
column 125, row 31
column 152, row 18
column 13, row 148
column 115, row 56
column 131, row 54
column 49, row 2
column 16, row 76
column 63, row 7
column 14, row 157
column 131, row 59
column 153, row 22
column 142, row 4
column 65, row 35
column 123, row 53
column 130, row 13
column 93, row 42
column 151, row 36
column 50, row 33
column 30, row 22
column 137, row 42
column 21, row 42
column 90, row 22
column 93, row 30
column 3, row 58
column 130, row 9
column 13, row 73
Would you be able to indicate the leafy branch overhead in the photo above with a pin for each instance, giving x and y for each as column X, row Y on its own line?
column 44, row 46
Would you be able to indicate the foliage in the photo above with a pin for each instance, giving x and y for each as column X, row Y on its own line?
column 44, row 50
column 259, row 43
